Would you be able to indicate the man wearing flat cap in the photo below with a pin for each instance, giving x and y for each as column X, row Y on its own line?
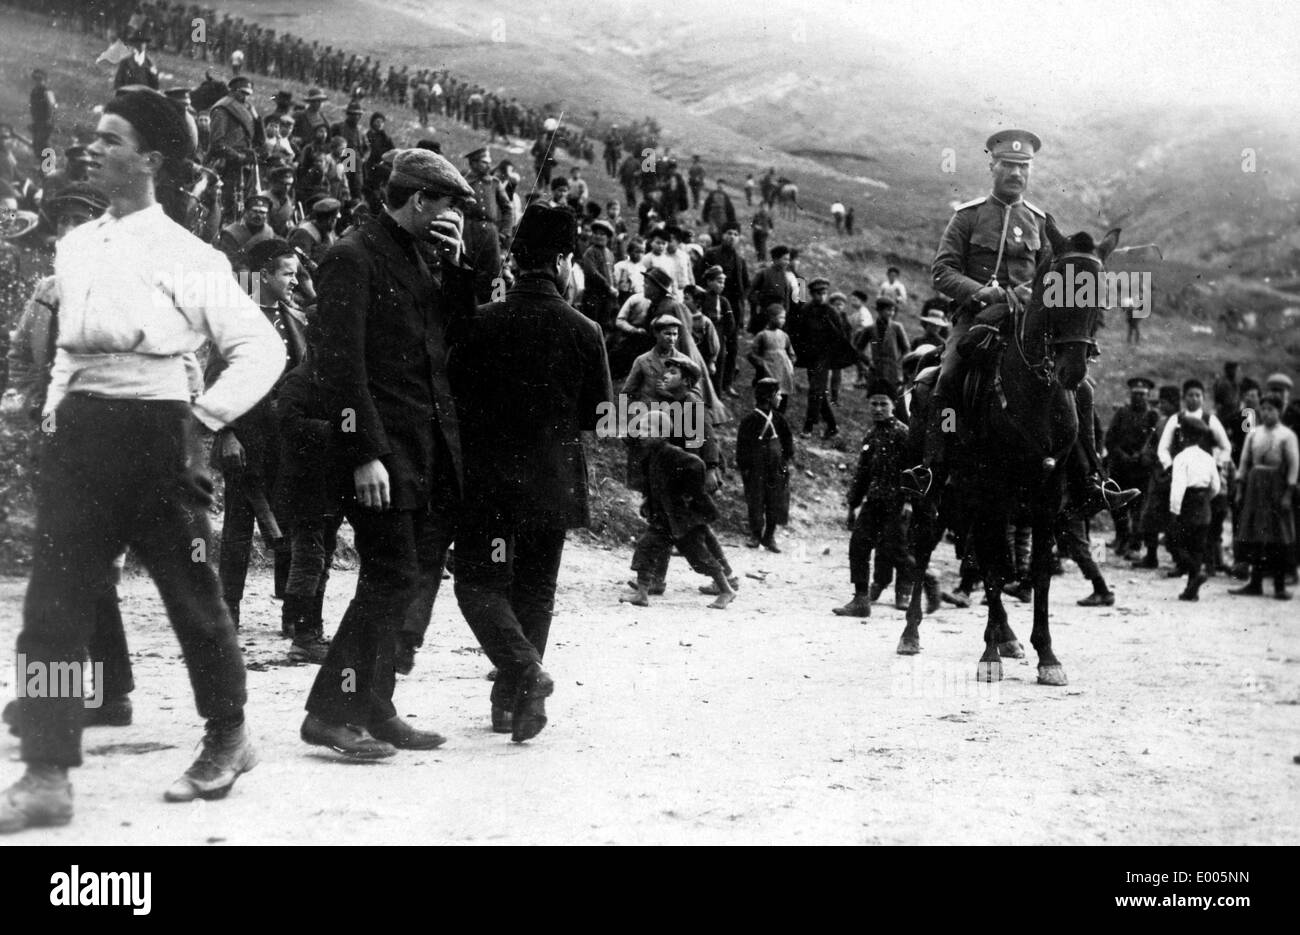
column 234, row 135
column 484, row 222
column 124, row 463
column 599, row 294
column 530, row 376
column 1130, row 429
column 385, row 320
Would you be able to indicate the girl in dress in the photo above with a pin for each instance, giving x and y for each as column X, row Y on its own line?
column 772, row 354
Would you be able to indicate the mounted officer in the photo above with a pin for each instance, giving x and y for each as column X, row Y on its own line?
column 985, row 264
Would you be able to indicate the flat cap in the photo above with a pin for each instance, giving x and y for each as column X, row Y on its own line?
column 666, row 321
column 885, row 301
column 1278, row 379
column 660, row 278
column 475, row 155
column 240, row 82
column 1013, row 145
column 604, row 226
column 688, row 367
column 429, row 172
column 546, row 229
column 316, row 94
column 821, row 282
column 766, row 386
column 326, row 205
column 281, row 172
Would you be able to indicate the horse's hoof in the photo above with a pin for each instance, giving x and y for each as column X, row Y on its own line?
column 989, row 671
column 1011, row 649
column 1052, row 675
column 908, row 646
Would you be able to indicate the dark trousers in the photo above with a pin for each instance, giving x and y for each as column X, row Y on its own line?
column 1191, row 547
column 119, row 473
column 730, row 349
column 654, row 550
column 398, row 549
column 878, row 527
column 1072, row 535
column 237, row 545
column 819, row 407
column 312, row 543
column 505, row 585
column 760, row 245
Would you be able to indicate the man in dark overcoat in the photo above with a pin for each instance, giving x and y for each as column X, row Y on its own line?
column 530, row 375
column 384, row 321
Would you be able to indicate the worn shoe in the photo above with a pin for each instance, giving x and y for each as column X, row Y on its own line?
column 1176, row 573
column 860, row 606
column 348, row 739
column 1098, row 599
column 529, row 715
column 405, row 737
column 1108, row 496
column 1249, row 590
column 957, row 598
column 874, row 593
column 1282, row 595
column 226, row 754
column 1188, row 595
column 1019, row 590
column 502, row 719
column 114, row 712
column 36, row 801
column 752, row 543
column 770, row 544
column 312, row 648
column 1149, row 562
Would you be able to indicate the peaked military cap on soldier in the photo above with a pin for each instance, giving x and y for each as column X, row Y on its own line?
column 660, row 278
column 819, row 283
column 178, row 94
column 477, row 155
column 546, row 230
column 1013, row 145
column 766, row 387
column 429, row 172
column 354, row 107
column 1143, row 382
column 257, row 199
column 281, row 172
column 240, row 83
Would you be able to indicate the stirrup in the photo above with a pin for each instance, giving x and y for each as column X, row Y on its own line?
column 921, row 479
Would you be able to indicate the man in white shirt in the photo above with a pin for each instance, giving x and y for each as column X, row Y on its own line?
column 124, row 464
column 1193, row 407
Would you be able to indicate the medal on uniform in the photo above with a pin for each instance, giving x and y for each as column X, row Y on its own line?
column 1017, row 231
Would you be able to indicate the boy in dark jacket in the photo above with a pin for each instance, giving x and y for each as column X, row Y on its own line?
column 678, row 511
column 764, row 450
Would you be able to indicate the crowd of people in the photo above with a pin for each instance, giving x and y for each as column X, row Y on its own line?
column 322, row 380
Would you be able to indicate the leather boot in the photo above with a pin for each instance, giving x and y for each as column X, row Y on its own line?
column 41, row 798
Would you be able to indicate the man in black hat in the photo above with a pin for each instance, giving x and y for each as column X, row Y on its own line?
column 530, row 375
column 821, row 346
column 384, row 321
column 137, row 67
column 490, row 214
column 727, row 255
column 234, row 135
column 1130, row 428
column 304, row 128
column 358, row 148
column 124, row 466
column 239, row 236
column 315, row 235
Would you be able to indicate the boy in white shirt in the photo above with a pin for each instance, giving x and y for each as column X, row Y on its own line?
column 1194, row 483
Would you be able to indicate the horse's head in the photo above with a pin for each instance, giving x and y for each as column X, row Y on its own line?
column 1072, row 293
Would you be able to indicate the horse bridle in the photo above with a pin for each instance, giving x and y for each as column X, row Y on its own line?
column 1044, row 371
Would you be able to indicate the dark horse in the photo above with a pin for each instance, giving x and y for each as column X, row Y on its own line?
column 1028, row 423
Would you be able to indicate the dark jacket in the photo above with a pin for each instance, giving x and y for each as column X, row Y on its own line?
column 384, row 339
column 529, row 374
column 306, row 488
column 675, row 495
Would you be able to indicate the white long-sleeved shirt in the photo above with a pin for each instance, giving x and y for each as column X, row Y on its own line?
column 1222, row 449
column 1192, row 467
column 137, row 295
column 629, row 276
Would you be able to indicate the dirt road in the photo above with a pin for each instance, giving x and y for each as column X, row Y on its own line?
column 770, row 722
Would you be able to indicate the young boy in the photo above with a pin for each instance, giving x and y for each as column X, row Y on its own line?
column 703, row 329
column 879, row 525
column 678, row 511
column 1194, row 483
column 764, row 450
